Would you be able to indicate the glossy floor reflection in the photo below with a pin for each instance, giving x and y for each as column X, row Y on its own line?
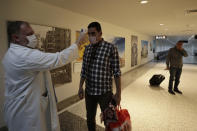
column 153, row 108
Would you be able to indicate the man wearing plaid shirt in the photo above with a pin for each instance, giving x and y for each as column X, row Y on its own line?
column 100, row 63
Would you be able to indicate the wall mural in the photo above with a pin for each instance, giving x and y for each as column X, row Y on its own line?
column 134, row 50
column 53, row 39
column 120, row 44
column 144, row 51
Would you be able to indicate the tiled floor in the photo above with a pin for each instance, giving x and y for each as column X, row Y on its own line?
column 153, row 108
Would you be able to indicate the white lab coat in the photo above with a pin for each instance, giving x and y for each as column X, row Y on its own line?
column 27, row 77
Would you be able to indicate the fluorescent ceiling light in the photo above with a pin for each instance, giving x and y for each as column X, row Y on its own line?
column 161, row 24
column 144, row 1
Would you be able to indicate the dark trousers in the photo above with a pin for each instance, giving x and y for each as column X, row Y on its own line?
column 91, row 107
column 175, row 74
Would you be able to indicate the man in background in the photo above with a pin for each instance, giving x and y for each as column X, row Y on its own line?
column 174, row 62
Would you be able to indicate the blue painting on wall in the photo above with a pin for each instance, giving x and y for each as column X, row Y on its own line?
column 120, row 44
column 144, row 51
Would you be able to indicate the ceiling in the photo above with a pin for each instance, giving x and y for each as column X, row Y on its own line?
column 132, row 15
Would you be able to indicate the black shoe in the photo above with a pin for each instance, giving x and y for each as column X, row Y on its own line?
column 178, row 91
column 171, row 92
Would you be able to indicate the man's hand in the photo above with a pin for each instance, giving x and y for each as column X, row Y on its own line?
column 117, row 98
column 167, row 68
column 81, row 93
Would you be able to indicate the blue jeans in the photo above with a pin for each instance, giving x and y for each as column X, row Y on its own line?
column 175, row 74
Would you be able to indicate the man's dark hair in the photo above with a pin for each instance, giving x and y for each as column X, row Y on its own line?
column 13, row 27
column 95, row 25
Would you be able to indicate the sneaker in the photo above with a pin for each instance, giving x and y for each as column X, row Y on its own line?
column 178, row 91
column 171, row 92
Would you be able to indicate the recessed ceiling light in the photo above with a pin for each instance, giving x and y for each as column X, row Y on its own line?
column 161, row 24
column 144, row 1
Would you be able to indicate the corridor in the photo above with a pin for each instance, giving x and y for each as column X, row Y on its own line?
column 151, row 108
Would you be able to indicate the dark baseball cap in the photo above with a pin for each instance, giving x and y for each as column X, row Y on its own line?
column 182, row 41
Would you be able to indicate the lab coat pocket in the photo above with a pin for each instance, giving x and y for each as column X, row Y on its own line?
column 44, row 103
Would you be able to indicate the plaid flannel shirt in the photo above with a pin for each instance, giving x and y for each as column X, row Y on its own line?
column 100, row 63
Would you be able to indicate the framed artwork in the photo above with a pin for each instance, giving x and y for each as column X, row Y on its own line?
column 134, row 50
column 144, row 51
column 120, row 44
column 54, row 39
column 82, row 46
column 153, row 46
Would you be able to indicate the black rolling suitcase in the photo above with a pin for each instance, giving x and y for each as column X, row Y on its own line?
column 156, row 79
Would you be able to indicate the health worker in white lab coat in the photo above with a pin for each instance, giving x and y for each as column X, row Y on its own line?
column 29, row 96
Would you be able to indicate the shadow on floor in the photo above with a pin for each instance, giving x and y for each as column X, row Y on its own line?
column 71, row 122
column 156, row 87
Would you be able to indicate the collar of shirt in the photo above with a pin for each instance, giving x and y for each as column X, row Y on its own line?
column 17, row 45
column 98, row 43
column 14, row 45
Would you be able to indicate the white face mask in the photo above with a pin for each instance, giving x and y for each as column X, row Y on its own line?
column 92, row 39
column 32, row 41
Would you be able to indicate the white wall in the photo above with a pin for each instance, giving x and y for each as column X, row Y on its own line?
column 191, row 46
column 44, row 14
